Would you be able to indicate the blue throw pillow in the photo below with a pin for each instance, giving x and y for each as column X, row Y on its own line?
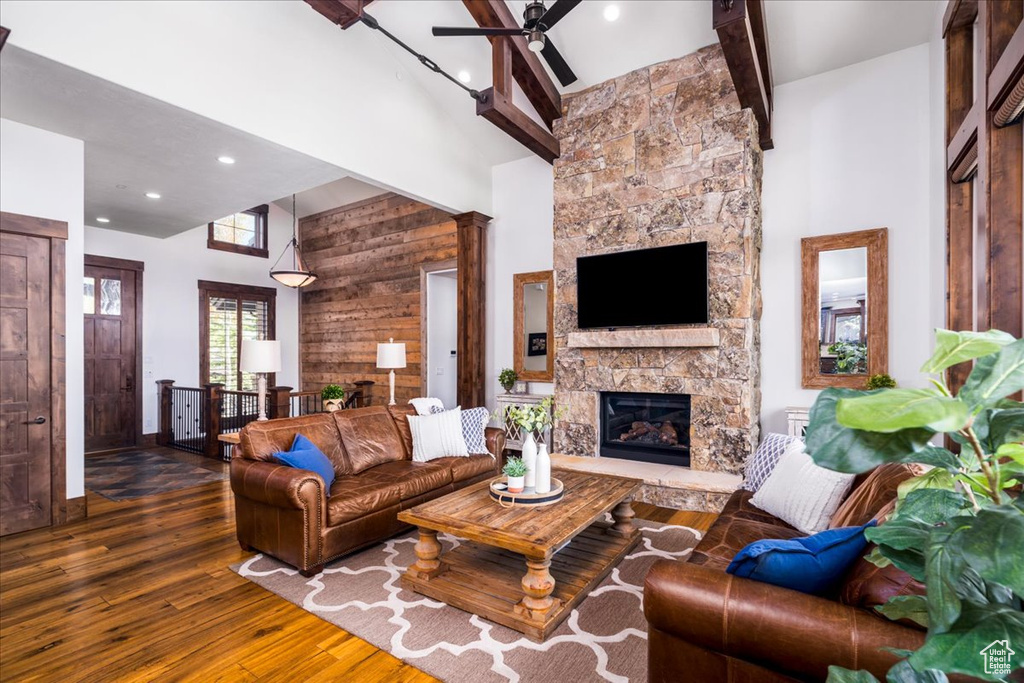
column 811, row 564
column 304, row 455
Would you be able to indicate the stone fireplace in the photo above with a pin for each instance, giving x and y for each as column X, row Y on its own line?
column 662, row 155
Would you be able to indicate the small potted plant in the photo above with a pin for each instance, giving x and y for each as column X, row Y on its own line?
column 882, row 381
column 515, row 471
column 333, row 397
column 507, row 379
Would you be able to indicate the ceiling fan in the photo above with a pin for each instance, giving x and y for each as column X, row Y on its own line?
column 536, row 20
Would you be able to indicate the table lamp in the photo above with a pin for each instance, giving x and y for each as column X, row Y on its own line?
column 260, row 356
column 390, row 356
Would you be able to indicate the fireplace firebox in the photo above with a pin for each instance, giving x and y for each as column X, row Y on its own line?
column 646, row 427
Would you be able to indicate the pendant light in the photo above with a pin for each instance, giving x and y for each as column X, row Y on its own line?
column 299, row 275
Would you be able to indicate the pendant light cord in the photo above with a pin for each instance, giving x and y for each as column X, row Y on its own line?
column 372, row 23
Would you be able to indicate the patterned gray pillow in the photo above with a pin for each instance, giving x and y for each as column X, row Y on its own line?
column 764, row 459
column 474, row 421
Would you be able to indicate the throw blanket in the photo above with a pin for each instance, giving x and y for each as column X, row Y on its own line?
column 423, row 405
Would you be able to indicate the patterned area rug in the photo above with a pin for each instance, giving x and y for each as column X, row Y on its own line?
column 134, row 474
column 603, row 639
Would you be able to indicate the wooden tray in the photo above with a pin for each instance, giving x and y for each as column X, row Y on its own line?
column 527, row 497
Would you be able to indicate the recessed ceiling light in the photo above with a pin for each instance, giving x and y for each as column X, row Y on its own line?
column 153, row 195
column 464, row 76
column 121, row 187
column 226, row 160
column 611, row 12
column 100, row 219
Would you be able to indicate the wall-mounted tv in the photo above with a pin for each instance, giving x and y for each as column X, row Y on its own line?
column 659, row 286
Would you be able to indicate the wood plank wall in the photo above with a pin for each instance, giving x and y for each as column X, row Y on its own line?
column 368, row 256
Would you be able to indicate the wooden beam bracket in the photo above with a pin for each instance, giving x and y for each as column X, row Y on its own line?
column 344, row 13
column 741, row 31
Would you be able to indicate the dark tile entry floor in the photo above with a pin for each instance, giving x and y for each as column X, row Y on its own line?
column 138, row 473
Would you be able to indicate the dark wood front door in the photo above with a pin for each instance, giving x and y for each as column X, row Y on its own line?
column 111, row 383
column 24, row 383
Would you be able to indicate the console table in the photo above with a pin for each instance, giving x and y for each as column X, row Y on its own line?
column 514, row 435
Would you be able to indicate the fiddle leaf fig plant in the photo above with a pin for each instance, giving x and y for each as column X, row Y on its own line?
column 959, row 527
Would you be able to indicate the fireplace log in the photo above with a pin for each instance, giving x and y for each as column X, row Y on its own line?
column 668, row 432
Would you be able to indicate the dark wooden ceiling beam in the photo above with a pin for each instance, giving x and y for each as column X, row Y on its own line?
column 527, row 70
column 500, row 111
column 741, row 31
column 344, row 13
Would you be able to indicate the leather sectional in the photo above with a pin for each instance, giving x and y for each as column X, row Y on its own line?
column 288, row 513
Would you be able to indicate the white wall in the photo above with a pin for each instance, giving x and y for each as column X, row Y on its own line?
column 170, row 300
column 442, row 337
column 309, row 86
column 520, row 239
column 854, row 149
column 43, row 174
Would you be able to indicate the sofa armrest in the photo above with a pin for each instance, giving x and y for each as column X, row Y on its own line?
column 495, row 444
column 778, row 628
column 279, row 486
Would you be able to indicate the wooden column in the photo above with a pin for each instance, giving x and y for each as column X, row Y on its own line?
column 279, row 402
column 472, row 241
column 164, row 431
column 212, row 419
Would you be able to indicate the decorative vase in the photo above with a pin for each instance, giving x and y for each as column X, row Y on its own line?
column 332, row 404
column 542, row 484
column 530, row 459
column 515, row 484
column 508, row 389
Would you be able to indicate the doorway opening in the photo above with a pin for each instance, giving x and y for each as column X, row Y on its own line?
column 441, row 335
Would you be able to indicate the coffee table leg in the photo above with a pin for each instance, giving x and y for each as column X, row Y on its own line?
column 538, row 584
column 623, row 515
column 427, row 566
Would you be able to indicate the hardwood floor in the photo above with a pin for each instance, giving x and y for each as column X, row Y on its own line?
column 141, row 590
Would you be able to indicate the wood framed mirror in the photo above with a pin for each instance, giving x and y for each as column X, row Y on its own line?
column 534, row 325
column 845, row 321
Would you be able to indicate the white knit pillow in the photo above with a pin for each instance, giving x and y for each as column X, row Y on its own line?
column 800, row 493
column 437, row 436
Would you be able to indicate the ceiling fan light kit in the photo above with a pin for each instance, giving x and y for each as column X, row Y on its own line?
column 537, row 20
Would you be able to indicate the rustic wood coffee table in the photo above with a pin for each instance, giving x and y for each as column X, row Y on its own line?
column 568, row 548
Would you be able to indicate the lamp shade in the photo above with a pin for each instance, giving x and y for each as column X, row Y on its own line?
column 260, row 356
column 391, row 355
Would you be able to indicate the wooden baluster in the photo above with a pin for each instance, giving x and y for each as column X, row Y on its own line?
column 163, row 434
column 212, row 406
column 279, row 402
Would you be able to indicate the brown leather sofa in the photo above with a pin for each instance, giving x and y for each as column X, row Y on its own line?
column 709, row 626
column 287, row 513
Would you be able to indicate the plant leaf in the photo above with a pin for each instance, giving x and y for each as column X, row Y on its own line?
column 956, row 347
column 934, row 478
column 843, row 449
column 910, row 560
column 897, row 409
column 931, row 506
column 902, row 672
column 938, row 457
column 995, row 376
column 942, row 566
column 959, row 649
column 837, row 674
column 901, row 534
column 992, row 543
column 913, row 607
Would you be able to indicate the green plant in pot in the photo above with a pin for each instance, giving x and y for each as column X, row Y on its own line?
column 958, row 528
column 333, row 397
column 507, row 379
column 881, row 381
column 515, row 471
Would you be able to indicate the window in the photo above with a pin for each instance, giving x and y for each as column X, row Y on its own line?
column 228, row 314
column 244, row 232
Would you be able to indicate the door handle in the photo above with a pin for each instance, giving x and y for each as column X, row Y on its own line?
column 38, row 421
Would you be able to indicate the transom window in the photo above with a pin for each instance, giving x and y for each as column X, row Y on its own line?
column 244, row 232
column 228, row 314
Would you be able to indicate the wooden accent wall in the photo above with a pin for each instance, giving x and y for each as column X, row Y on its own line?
column 368, row 256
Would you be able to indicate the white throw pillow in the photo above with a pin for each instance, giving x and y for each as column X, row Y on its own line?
column 437, row 436
column 801, row 493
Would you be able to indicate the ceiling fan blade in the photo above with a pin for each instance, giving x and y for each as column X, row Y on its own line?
column 556, row 12
column 475, row 31
column 557, row 63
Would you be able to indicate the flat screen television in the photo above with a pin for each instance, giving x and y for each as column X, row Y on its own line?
column 659, row 286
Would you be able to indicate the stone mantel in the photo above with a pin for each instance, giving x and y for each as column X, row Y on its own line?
column 640, row 339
